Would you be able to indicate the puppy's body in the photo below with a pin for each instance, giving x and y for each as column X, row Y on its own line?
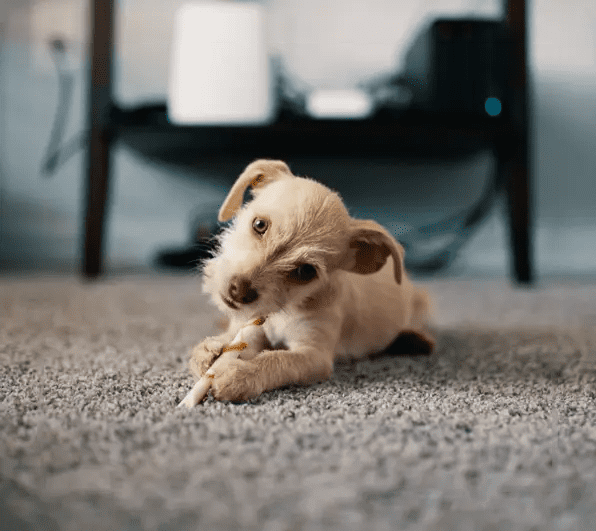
column 330, row 285
column 375, row 311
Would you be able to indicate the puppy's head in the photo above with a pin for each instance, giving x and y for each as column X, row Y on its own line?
column 285, row 242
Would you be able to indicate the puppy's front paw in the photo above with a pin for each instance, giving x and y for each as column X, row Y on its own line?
column 235, row 380
column 203, row 355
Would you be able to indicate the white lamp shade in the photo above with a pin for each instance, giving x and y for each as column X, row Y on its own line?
column 220, row 71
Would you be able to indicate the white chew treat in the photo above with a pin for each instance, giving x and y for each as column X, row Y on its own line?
column 249, row 341
column 253, row 336
column 197, row 393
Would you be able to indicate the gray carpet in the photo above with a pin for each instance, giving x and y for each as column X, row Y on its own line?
column 496, row 431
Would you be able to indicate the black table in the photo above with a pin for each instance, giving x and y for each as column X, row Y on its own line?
column 386, row 135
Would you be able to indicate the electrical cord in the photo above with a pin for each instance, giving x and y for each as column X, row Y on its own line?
column 56, row 155
column 459, row 227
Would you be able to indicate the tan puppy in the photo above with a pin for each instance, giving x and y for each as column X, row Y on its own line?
column 323, row 279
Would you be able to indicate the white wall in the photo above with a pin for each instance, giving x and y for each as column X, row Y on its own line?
column 335, row 43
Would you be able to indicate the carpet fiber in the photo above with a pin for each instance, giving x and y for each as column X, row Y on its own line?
column 495, row 431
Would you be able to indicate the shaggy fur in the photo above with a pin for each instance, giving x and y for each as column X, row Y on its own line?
column 322, row 278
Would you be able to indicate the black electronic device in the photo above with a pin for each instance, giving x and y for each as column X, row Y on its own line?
column 458, row 66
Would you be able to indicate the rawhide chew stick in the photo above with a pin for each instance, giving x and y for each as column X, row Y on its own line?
column 249, row 341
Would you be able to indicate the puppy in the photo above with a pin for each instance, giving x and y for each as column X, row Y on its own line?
column 330, row 285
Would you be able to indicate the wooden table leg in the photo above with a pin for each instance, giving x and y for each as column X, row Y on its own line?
column 519, row 205
column 100, row 135
column 518, row 163
column 97, row 192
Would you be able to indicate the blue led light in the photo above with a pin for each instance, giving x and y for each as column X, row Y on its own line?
column 493, row 106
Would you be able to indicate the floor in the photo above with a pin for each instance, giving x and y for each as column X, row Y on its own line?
column 494, row 431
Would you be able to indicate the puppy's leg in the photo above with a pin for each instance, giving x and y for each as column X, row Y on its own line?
column 241, row 380
column 411, row 342
column 417, row 338
column 204, row 354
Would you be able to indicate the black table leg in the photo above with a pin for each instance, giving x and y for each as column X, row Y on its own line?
column 518, row 160
column 100, row 136
column 519, row 204
column 97, row 191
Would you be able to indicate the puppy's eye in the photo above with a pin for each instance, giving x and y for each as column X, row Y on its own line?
column 260, row 225
column 303, row 274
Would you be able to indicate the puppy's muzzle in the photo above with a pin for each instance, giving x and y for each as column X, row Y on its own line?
column 240, row 291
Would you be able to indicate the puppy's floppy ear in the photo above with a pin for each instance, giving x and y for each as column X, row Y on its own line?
column 258, row 174
column 369, row 245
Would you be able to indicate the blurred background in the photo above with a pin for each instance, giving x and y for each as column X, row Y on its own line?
column 338, row 45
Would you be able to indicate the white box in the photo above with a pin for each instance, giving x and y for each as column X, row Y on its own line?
column 220, row 71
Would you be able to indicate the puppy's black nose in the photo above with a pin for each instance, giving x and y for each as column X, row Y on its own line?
column 241, row 291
